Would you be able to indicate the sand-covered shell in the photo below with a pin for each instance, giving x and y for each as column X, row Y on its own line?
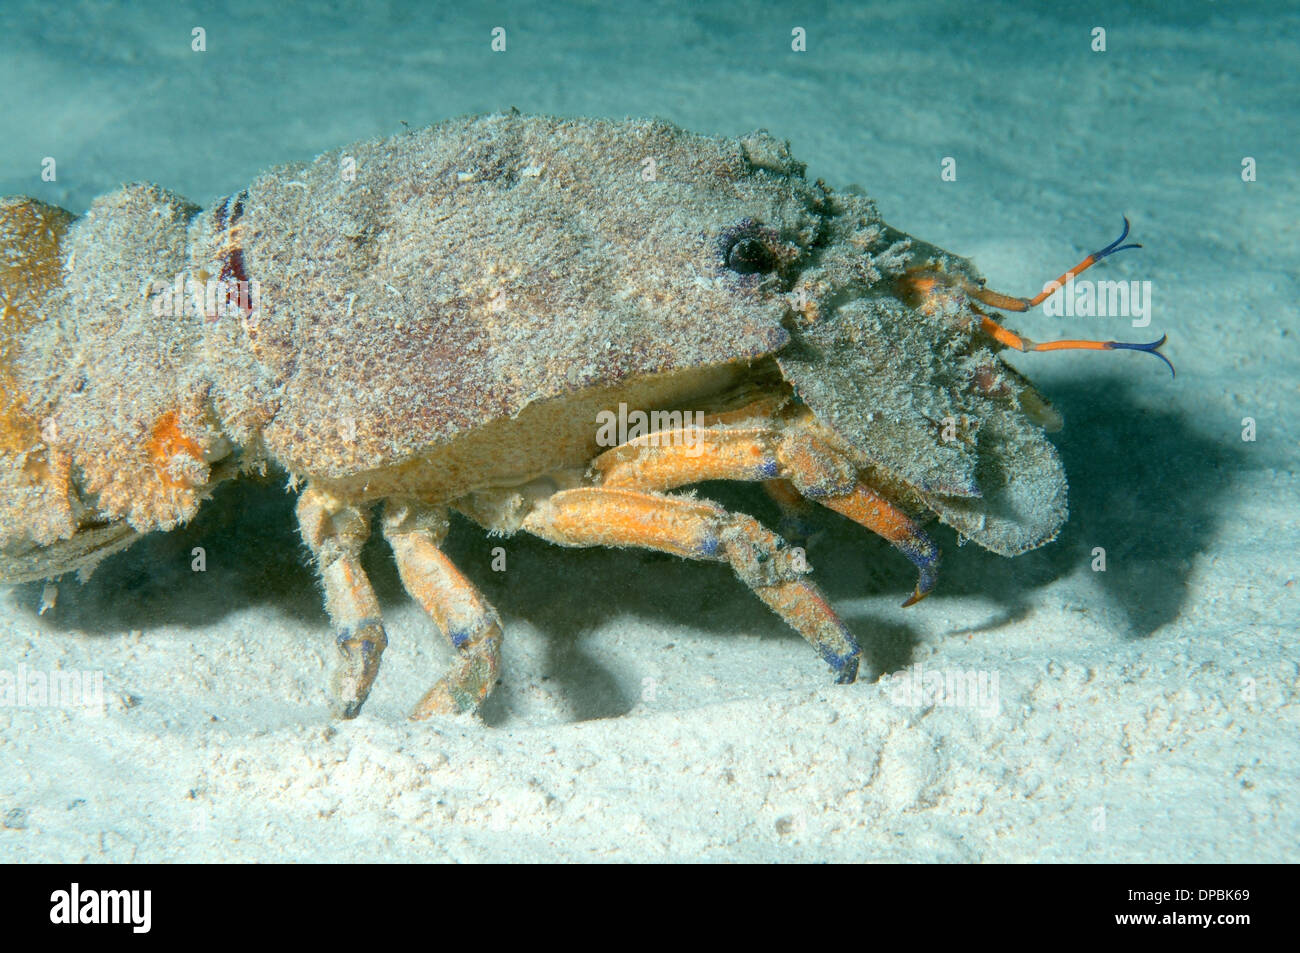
column 486, row 264
column 417, row 291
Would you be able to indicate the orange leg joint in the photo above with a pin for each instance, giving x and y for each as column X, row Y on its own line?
column 793, row 460
column 869, row 509
column 698, row 529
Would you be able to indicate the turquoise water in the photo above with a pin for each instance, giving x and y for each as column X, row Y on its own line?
column 1052, row 141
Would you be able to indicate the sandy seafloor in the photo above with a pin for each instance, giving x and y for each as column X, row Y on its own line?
column 651, row 708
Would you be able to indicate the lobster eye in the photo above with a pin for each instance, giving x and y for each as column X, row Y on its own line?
column 748, row 255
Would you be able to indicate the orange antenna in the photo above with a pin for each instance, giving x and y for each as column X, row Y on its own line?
column 1008, row 303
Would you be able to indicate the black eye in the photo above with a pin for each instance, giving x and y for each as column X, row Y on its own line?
column 748, row 255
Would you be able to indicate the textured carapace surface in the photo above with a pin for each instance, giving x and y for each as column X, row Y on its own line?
column 442, row 289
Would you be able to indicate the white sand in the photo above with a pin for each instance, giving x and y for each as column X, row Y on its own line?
column 651, row 708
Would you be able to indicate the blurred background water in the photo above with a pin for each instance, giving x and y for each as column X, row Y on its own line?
column 1053, row 140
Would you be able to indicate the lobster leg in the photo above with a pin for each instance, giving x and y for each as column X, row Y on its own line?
column 335, row 533
column 698, row 529
column 415, row 532
column 791, row 448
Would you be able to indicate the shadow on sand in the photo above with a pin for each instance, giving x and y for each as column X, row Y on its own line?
column 1143, row 485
